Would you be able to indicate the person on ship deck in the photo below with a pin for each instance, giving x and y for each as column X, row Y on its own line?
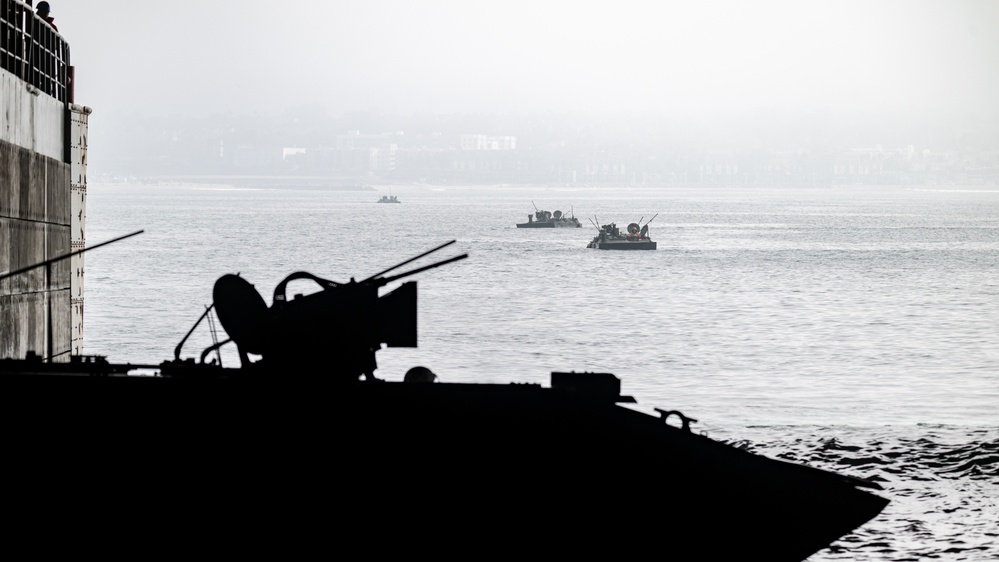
column 43, row 11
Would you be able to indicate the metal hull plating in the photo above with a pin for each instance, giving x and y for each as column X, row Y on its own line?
column 34, row 226
column 42, row 190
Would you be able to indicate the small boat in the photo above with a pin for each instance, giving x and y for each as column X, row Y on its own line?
column 547, row 219
column 389, row 199
column 610, row 237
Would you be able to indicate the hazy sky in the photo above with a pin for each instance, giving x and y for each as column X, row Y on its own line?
column 695, row 57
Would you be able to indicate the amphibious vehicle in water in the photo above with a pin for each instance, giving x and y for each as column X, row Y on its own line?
column 303, row 435
column 610, row 237
column 547, row 219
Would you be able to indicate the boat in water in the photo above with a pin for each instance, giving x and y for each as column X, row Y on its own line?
column 389, row 199
column 304, row 435
column 610, row 237
column 548, row 219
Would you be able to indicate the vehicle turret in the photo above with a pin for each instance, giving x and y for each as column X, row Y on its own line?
column 332, row 332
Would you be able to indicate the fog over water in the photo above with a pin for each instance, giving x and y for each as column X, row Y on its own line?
column 717, row 63
column 851, row 328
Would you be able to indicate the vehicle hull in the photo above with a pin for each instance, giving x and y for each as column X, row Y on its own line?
column 598, row 244
column 444, row 468
column 552, row 224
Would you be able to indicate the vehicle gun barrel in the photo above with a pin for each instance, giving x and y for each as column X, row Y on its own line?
column 387, row 280
column 410, row 260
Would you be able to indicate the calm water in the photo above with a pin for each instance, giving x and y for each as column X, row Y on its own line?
column 855, row 329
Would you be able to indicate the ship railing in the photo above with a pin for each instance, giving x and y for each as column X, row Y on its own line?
column 33, row 51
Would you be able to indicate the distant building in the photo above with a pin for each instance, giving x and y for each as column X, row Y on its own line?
column 484, row 142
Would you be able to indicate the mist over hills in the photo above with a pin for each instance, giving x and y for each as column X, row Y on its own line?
column 548, row 147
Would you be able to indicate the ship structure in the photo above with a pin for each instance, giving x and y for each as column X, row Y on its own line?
column 548, row 219
column 389, row 199
column 610, row 237
column 43, row 180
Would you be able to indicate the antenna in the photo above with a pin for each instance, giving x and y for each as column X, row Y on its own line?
column 66, row 256
column 410, row 260
column 387, row 280
column 176, row 350
column 47, row 264
column 652, row 219
column 535, row 206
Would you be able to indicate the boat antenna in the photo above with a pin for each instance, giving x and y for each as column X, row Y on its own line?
column 387, row 280
column 66, row 256
column 594, row 224
column 206, row 314
column 652, row 219
column 410, row 260
column 47, row 264
column 535, row 206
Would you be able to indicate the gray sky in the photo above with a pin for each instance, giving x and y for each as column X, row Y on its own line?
column 925, row 58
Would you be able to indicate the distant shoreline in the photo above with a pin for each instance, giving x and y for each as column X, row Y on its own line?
column 347, row 185
column 334, row 184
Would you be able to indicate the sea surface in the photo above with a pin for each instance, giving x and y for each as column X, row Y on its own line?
column 854, row 329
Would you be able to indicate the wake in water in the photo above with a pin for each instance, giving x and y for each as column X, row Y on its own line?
column 943, row 483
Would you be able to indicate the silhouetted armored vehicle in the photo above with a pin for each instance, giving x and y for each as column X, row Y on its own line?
column 610, row 237
column 547, row 219
column 302, row 441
